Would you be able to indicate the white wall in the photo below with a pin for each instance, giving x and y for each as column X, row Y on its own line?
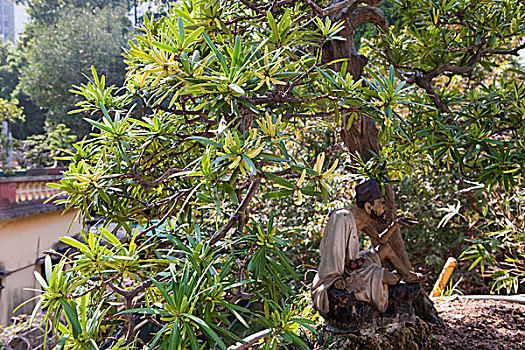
column 22, row 242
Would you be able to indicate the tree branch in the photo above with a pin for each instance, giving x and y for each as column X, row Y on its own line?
column 133, row 292
column 151, row 184
column 245, row 18
column 178, row 111
column 307, row 115
column 338, row 6
column 367, row 14
column 426, row 84
column 240, row 211
column 424, row 79
column 253, row 7
column 513, row 51
column 170, row 210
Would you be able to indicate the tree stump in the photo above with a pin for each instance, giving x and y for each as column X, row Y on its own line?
column 415, row 335
column 406, row 323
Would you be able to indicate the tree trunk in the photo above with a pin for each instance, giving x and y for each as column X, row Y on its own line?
column 362, row 136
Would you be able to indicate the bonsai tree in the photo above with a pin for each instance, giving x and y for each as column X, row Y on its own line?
column 214, row 124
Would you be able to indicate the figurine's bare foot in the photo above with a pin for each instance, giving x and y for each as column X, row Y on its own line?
column 390, row 278
column 413, row 277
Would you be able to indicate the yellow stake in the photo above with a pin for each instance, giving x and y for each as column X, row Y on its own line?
column 443, row 277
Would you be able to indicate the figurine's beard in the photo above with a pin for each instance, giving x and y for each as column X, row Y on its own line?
column 380, row 218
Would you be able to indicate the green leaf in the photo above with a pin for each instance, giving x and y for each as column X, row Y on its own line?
column 219, row 56
column 206, row 141
column 475, row 263
column 252, row 107
column 278, row 194
column 41, row 280
column 145, row 310
column 236, row 51
column 192, row 37
column 174, row 338
column 279, row 180
column 300, row 169
column 236, row 314
column 72, row 317
column 273, row 26
column 158, row 336
column 164, row 292
column 207, row 329
column 250, row 164
column 236, row 88
column 271, row 158
column 74, row 243
column 35, row 311
column 193, row 339
column 104, row 195
column 182, row 33
column 48, row 265
column 110, row 236
column 99, row 125
column 310, row 191
column 204, row 198
column 231, row 193
column 95, row 76
column 141, row 54
column 164, row 47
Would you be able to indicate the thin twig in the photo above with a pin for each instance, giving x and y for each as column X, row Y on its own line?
column 157, row 181
column 178, row 111
column 252, row 7
column 307, row 115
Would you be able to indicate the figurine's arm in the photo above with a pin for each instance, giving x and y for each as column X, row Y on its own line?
column 371, row 232
column 384, row 236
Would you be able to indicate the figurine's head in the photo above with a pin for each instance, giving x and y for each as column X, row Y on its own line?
column 370, row 199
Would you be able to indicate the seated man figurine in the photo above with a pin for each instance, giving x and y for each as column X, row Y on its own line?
column 344, row 267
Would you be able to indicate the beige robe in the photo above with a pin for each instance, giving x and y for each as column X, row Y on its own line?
column 339, row 245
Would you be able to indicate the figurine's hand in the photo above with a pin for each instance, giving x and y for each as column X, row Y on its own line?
column 406, row 222
column 413, row 277
column 340, row 284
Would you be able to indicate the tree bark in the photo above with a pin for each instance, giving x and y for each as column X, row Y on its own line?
column 362, row 136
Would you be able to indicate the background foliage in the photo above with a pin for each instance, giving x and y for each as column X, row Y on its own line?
column 77, row 40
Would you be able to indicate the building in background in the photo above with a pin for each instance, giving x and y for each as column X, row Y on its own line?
column 7, row 20
column 21, row 18
column 28, row 226
column 12, row 20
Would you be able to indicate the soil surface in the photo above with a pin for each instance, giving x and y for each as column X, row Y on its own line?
column 481, row 324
